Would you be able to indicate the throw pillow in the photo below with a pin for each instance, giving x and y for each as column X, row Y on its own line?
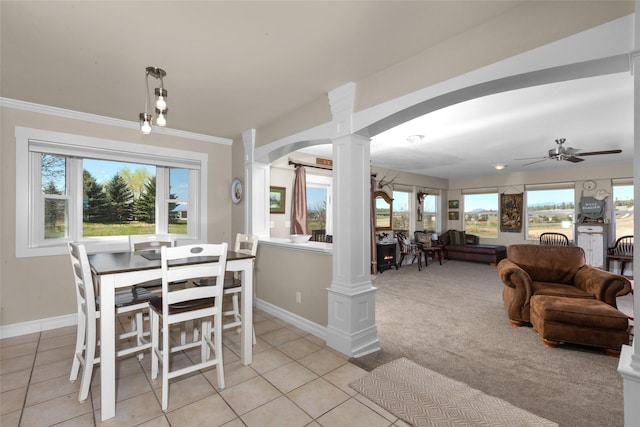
column 458, row 237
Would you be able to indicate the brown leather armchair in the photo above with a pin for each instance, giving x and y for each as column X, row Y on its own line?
column 559, row 271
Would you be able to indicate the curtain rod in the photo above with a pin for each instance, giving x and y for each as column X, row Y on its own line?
column 311, row 165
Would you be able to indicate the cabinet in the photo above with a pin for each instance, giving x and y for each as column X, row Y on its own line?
column 592, row 239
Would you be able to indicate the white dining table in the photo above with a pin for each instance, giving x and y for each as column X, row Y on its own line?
column 122, row 269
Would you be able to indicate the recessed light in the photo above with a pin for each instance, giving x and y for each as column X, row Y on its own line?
column 500, row 167
column 415, row 138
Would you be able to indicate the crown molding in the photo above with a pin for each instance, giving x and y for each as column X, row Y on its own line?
column 94, row 118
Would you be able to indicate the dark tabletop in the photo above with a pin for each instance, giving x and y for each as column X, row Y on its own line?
column 122, row 262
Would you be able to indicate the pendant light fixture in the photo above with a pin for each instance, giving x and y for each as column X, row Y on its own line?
column 160, row 104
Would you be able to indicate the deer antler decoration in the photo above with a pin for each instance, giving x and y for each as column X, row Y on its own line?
column 387, row 182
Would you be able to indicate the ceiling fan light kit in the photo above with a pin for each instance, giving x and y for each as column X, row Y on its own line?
column 569, row 154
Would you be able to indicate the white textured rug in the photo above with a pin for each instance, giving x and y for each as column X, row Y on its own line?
column 423, row 397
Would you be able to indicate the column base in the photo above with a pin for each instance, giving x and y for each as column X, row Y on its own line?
column 631, row 385
column 352, row 323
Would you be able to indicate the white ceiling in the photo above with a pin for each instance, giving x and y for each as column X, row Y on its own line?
column 237, row 65
column 470, row 138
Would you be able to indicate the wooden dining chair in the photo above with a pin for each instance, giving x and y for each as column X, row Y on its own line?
column 409, row 248
column 131, row 301
column 621, row 251
column 318, row 235
column 554, row 239
column 200, row 304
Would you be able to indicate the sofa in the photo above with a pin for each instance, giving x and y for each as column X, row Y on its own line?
column 459, row 245
column 563, row 298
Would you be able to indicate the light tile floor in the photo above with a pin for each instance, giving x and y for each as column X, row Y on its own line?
column 294, row 380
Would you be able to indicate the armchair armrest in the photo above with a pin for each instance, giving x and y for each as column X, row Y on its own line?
column 517, row 278
column 604, row 285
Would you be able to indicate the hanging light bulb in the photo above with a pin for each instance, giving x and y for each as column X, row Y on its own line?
column 145, row 123
column 161, row 120
column 161, row 102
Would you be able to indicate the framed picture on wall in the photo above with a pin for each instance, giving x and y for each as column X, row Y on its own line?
column 454, row 215
column 277, row 199
column 454, row 204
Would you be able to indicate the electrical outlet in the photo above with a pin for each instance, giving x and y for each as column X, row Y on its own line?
column 298, row 297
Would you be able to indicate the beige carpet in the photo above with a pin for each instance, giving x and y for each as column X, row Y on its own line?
column 423, row 397
column 450, row 319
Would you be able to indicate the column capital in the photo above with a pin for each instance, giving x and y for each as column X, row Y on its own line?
column 341, row 102
column 249, row 144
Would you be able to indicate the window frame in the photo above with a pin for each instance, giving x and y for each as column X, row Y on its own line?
column 481, row 192
column 614, row 213
column 326, row 183
column 436, row 195
column 549, row 187
column 411, row 219
column 77, row 147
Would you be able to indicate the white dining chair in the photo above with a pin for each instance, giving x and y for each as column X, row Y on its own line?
column 247, row 244
column 149, row 242
column 131, row 301
column 200, row 304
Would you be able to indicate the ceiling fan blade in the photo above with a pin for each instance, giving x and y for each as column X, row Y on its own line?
column 531, row 158
column 574, row 159
column 597, row 153
column 537, row 161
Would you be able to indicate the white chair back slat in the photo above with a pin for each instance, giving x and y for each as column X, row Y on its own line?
column 139, row 242
column 215, row 268
column 85, row 290
column 246, row 243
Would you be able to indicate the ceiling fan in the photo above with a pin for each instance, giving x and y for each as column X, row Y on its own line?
column 569, row 154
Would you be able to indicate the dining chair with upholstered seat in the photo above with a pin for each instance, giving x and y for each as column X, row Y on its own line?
column 554, row 239
column 409, row 248
column 247, row 244
column 200, row 304
column 132, row 301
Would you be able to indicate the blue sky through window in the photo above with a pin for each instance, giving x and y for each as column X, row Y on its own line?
column 104, row 170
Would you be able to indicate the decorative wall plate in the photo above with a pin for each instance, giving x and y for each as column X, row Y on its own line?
column 601, row 194
column 236, row 190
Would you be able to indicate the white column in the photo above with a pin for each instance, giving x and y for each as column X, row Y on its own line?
column 351, row 297
column 257, row 178
column 629, row 364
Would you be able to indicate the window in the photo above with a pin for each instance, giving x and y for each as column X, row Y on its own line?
column 71, row 188
column 430, row 212
column 623, row 209
column 401, row 210
column 481, row 214
column 550, row 210
column 319, row 206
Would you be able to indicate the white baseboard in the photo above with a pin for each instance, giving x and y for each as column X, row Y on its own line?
column 293, row 319
column 39, row 325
